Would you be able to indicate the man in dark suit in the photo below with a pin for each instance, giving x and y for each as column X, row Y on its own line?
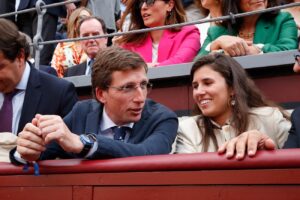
column 27, row 23
column 293, row 140
column 119, row 122
column 89, row 26
column 36, row 91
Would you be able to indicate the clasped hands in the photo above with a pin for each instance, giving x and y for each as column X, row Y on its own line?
column 234, row 46
column 246, row 143
column 41, row 131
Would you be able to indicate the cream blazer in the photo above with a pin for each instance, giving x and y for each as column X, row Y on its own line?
column 8, row 141
column 267, row 120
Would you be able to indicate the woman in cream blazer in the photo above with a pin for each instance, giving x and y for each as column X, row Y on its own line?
column 228, row 104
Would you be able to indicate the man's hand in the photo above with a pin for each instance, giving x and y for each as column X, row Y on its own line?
column 247, row 143
column 30, row 143
column 52, row 127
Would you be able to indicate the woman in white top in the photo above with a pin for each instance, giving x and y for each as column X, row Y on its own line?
column 228, row 105
column 213, row 9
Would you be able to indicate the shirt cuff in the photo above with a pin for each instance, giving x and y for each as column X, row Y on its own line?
column 260, row 47
column 207, row 48
column 18, row 157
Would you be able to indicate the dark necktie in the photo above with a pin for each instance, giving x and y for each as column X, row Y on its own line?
column 90, row 65
column 120, row 132
column 6, row 112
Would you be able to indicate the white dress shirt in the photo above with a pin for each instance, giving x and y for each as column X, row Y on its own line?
column 18, row 99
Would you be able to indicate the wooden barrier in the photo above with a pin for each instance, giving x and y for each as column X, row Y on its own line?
column 272, row 73
column 270, row 175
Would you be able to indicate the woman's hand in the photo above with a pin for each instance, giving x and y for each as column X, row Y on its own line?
column 233, row 46
column 254, row 50
column 246, row 143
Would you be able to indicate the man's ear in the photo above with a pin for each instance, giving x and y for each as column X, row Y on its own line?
column 101, row 95
column 21, row 55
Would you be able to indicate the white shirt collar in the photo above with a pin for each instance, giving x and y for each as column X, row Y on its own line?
column 107, row 123
column 88, row 68
column 22, row 85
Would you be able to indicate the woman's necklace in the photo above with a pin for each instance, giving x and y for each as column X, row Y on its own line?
column 246, row 35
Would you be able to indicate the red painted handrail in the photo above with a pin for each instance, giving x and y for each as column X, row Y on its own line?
column 277, row 159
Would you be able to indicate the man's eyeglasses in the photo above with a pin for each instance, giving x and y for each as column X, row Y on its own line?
column 130, row 88
column 148, row 2
column 297, row 58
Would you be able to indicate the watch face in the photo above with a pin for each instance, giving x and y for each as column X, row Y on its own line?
column 85, row 138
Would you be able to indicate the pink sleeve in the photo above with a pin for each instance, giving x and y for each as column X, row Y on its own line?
column 188, row 46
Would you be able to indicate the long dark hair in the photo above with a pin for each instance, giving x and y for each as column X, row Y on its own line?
column 177, row 15
column 246, row 94
column 233, row 6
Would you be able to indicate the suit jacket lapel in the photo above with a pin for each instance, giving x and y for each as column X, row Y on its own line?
column 93, row 119
column 82, row 68
column 32, row 98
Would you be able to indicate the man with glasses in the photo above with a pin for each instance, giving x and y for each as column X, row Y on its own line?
column 119, row 122
column 293, row 140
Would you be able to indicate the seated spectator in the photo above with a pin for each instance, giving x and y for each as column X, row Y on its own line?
column 90, row 26
column 24, row 90
column 213, row 9
column 295, row 12
column 294, row 136
column 108, row 10
column 161, row 47
column 68, row 54
column 231, row 112
column 119, row 122
column 255, row 34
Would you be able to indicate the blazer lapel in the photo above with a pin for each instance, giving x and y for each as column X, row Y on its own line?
column 145, row 49
column 93, row 119
column 32, row 98
column 261, row 31
column 82, row 68
column 165, row 45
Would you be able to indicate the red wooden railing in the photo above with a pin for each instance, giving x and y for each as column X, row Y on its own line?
column 269, row 175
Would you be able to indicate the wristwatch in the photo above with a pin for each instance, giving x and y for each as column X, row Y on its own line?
column 88, row 142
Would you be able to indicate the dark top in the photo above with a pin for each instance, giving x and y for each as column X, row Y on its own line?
column 153, row 134
column 293, row 140
column 46, row 94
